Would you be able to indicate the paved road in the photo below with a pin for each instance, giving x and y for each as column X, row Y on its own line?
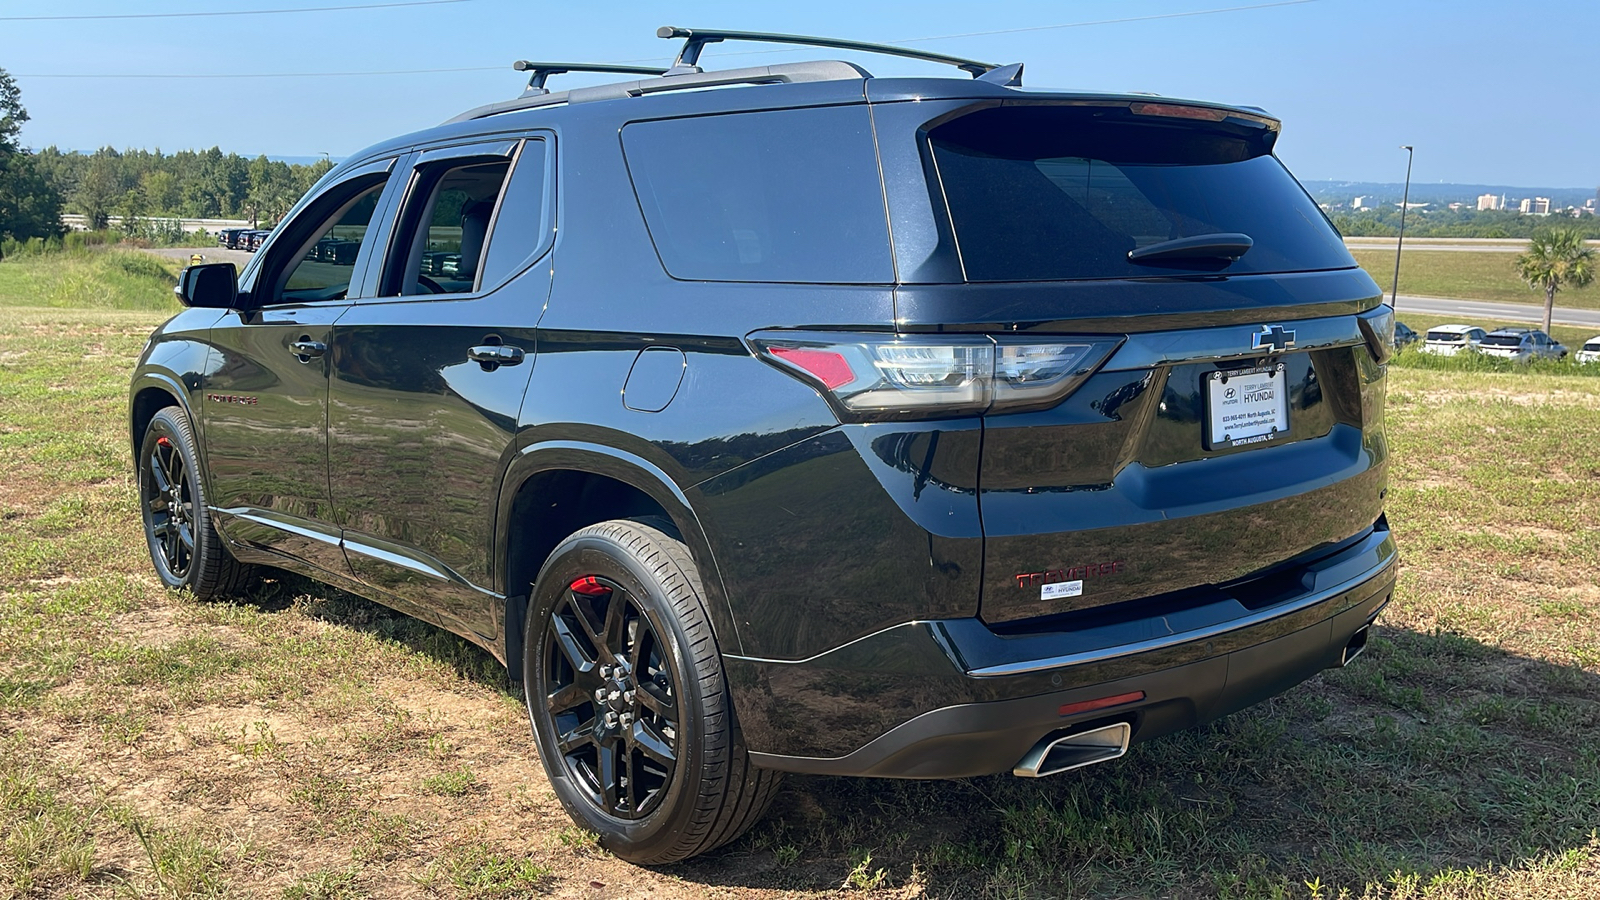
column 1472, row 311
column 1447, row 248
column 79, row 223
column 1448, row 245
column 212, row 254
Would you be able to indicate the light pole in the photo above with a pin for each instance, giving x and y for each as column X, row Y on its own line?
column 1405, row 200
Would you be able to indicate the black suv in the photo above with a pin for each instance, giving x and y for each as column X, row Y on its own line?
column 912, row 428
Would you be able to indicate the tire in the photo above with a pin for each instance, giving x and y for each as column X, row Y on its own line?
column 184, row 545
column 618, row 609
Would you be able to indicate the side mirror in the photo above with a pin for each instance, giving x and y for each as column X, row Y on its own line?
column 211, row 286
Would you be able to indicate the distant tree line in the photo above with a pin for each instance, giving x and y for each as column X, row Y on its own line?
column 1463, row 223
column 135, row 185
column 138, row 184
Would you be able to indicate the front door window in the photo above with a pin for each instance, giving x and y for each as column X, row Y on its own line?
column 325, row 270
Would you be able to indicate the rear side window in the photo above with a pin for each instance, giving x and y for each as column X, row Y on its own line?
column 1055, row 193
column 520, row 226
column 792, row 196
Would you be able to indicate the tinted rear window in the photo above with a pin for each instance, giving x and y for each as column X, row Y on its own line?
column 1054, row 193
column 1447, row 337
column 792, row 195
column 1592, row 345
column 1502, row 340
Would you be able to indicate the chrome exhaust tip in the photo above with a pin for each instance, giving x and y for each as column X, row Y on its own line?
column 1075, row 751
column 1358, row 643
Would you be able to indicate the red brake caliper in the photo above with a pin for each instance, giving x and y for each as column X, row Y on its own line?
column 589, row 585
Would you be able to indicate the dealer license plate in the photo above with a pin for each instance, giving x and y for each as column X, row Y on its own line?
column 1246, row 407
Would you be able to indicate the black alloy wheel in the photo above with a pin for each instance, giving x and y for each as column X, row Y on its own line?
column 169, row 508
column 610, row 693
column 628, row 700
column 184, row 546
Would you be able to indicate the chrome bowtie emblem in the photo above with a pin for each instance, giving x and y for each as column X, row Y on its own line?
column 1275, row 337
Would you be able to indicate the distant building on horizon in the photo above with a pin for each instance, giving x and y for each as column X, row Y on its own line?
column 1489, row 201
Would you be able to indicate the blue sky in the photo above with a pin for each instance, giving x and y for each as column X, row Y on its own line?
column 1489, row 92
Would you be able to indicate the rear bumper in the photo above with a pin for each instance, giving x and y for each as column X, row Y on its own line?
column 952, row 699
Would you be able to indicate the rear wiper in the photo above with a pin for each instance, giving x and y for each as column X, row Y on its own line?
column 1226, row 245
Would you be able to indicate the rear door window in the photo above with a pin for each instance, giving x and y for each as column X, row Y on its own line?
column 789, row 196
column 439, row 244
column 475, row 216
column 1059, row 193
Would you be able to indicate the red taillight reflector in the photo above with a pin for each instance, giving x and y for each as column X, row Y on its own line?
column 831, row 368
column 1177, row 111
column 589, row 585
column 1072, row 709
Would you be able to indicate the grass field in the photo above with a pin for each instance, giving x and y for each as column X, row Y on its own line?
column 94, row 278
column 1465, row 275
column 303, row 743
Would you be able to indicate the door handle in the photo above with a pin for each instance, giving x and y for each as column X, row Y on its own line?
column 307, row 349
column 491, row 356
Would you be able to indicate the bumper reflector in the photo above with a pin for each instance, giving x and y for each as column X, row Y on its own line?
column 1072, row 709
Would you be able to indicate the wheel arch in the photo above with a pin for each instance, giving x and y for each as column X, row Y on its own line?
column 150, row 393
column 555, row 488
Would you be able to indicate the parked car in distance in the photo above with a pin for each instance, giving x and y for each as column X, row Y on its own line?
column 440, row 262
column 1404, row 336
column 900, row 428
column 1521, row 345
column 1590, row 351
column 229, row 237
column 1448, row 340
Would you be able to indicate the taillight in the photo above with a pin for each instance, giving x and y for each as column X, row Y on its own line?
column 1377, row 326
column 869, row 376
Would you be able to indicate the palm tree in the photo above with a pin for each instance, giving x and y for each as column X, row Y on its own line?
column 1556, row 258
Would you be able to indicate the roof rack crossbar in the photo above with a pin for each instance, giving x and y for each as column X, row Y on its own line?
column 695, row 40
column 784, row 73
column 543, row 70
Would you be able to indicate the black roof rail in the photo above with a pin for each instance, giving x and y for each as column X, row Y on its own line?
column 543, row 70
column 784, row 73
column 695, row 40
